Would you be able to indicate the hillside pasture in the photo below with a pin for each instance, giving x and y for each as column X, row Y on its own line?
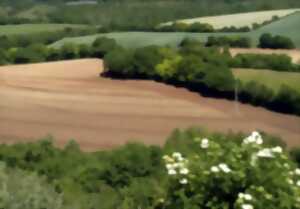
column 34, row 28
column 269, row 78
column 238, row 20
column 288, row 26
column 68, row 99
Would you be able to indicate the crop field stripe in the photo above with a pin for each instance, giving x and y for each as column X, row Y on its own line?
column 288, row 26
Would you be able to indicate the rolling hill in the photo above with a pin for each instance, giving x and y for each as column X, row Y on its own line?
column 238, row 20
column 288, row 26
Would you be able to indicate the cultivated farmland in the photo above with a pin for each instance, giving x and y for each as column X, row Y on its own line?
column 269, row 78
column 288, row 26
column 238, row 20
column 68, row 99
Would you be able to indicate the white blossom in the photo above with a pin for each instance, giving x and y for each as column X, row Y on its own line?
column 290, row 181
column 248, row 197
column 297, row 171
column 247, row 206
column 177, row 155
column 245, row 196
column 169, row 166
column 184, row 171
column 255, row 137
column 204, row 143
column 172, row 172
column 183, row 181
column 265, row 153
column 277, row 149
column 215, row 169
column 298, row 183
column 224, row 168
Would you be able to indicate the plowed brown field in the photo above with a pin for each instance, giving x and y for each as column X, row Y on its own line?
column 69, row 100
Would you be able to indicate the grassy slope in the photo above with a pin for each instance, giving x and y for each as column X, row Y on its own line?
column 288, row 26
column 271, row 79
column 240, row 19
column 32, row 28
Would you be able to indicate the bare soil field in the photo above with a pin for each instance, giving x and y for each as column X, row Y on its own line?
column 69, row 100
column 294, row 53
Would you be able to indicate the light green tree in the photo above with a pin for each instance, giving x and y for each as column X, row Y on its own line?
column 22, row 190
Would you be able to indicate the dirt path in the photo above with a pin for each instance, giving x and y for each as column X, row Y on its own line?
column 69, row 100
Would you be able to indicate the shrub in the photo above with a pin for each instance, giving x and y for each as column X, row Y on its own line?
column 266, row 40
column 69, row 51
column 102, row 45
column 22, row 190
column 145, row 61
column 277, row 62
column 120, row 63
column 220, row 173
column 242, row 42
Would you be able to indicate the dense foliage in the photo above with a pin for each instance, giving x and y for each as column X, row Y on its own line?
column 26, row 190
column 234, row 41
column 183, row 27
column 275, row 42
column 134, row 176
column 197, row 27
column 277, row 62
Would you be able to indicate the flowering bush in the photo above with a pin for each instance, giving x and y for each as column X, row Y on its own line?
column 227, row 174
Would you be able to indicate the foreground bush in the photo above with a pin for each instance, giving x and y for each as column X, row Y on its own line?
column 133, row 176
column 219, row 173
column 22, row 190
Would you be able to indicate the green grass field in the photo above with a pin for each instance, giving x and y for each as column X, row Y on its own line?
column 238, row 20
column 288, row 26
column 271, row 79
column 33, row 28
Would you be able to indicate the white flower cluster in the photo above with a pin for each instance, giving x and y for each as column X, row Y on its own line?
column 243, row 197
column 254, row 138
column 297, row 173
column 177, row 165
column 247, row 206
column 204, row 143
column 269, row 152
column 221, row 167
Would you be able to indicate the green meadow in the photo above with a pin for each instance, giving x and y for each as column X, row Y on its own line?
column 288, row 26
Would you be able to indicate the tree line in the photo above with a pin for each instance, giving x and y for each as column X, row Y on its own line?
column 266, row 41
